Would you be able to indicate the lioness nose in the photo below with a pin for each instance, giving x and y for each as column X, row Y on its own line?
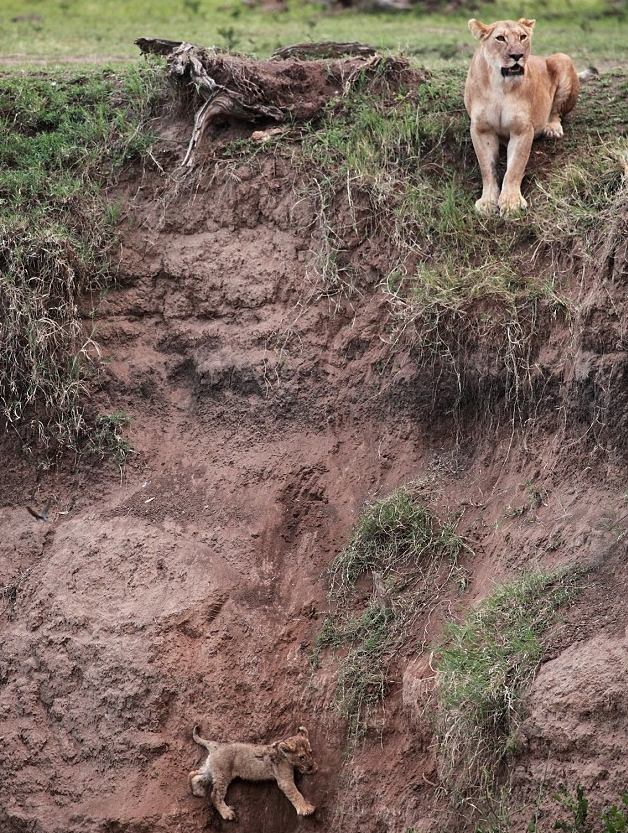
column 517, row 57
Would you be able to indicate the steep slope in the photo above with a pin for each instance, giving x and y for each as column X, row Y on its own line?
column 189, row 586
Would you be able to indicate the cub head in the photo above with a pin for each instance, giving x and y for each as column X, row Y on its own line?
column 505, row 44
column 298, row 752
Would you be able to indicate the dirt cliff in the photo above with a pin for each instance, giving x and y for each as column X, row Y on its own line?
column 189, row 586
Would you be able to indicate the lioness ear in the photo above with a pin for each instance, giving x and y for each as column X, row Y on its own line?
column 529, row 24
column 477, row 29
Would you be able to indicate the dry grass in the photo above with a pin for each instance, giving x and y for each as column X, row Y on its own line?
column 62, row 138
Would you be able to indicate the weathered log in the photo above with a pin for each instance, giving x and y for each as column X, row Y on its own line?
column 157, row 46
column 323, row 49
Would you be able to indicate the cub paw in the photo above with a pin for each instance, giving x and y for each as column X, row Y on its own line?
column 198, row 786
column 305, row 810
column 228, row 814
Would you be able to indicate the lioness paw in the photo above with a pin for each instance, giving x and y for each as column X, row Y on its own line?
column 553, row 130
column 305, row 810
column 486, row 207
column 511, row 205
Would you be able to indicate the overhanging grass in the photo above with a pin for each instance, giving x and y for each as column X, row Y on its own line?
column 63, row 137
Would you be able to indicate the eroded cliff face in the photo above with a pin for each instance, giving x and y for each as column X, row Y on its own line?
column 189, row 587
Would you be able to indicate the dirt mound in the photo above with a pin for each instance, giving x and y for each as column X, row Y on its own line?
column 576, row 724
column 190, row 586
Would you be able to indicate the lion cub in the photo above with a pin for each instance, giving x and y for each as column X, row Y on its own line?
column 252, row 762
column 513, row 97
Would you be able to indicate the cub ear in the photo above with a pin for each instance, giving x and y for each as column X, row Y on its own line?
column 284, row 746
column 527, row 24
column 477, row 29
column 303, row 731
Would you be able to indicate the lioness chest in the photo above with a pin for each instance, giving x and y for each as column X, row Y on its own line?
column 509, row 106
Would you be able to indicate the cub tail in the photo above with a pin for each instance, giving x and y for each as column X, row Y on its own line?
column 208, row 744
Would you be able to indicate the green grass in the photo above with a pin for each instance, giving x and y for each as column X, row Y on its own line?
column 63, row 137
column 391, row 534
column 413, row 555
column 579, row 818
column 484, row 670
column 70, row 30
column 106, row 439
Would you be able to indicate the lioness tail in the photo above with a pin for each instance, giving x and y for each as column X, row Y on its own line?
column 588, row 73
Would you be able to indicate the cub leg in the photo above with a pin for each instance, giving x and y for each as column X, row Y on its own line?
column 517, row 157
column 288, row 788
column 198, row 783
column 486, row 146
column 218, row 800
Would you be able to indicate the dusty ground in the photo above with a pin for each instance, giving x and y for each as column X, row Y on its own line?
column 189, row 587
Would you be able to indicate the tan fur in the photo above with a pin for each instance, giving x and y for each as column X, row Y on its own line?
column 513, row 108
column 253, row 762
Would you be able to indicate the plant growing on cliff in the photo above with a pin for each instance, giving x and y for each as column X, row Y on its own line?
column 61, row 138
column 379, row 164
column 484, row 669
column 411, row 556
column 106, row 440
column 580, row 819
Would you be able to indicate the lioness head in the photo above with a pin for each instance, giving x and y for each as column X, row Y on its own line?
column 298, row 752
column 506, row 44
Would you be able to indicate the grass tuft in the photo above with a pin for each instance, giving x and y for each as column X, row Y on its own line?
column 412, row 557
column 63, row 137
column 106, row 440
column 484, row 670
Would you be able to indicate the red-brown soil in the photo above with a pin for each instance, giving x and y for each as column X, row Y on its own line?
column 189, row 587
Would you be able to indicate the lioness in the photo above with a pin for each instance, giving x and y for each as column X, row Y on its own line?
column 513, row 97
column 252, row 762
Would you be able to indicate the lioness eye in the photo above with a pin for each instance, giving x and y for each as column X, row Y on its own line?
column 523, row 37
column 501, row 38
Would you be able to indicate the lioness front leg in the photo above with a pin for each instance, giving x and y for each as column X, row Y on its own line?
column 519, row 146
column 288, row 788
column 486, row 146
column 218, row 800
